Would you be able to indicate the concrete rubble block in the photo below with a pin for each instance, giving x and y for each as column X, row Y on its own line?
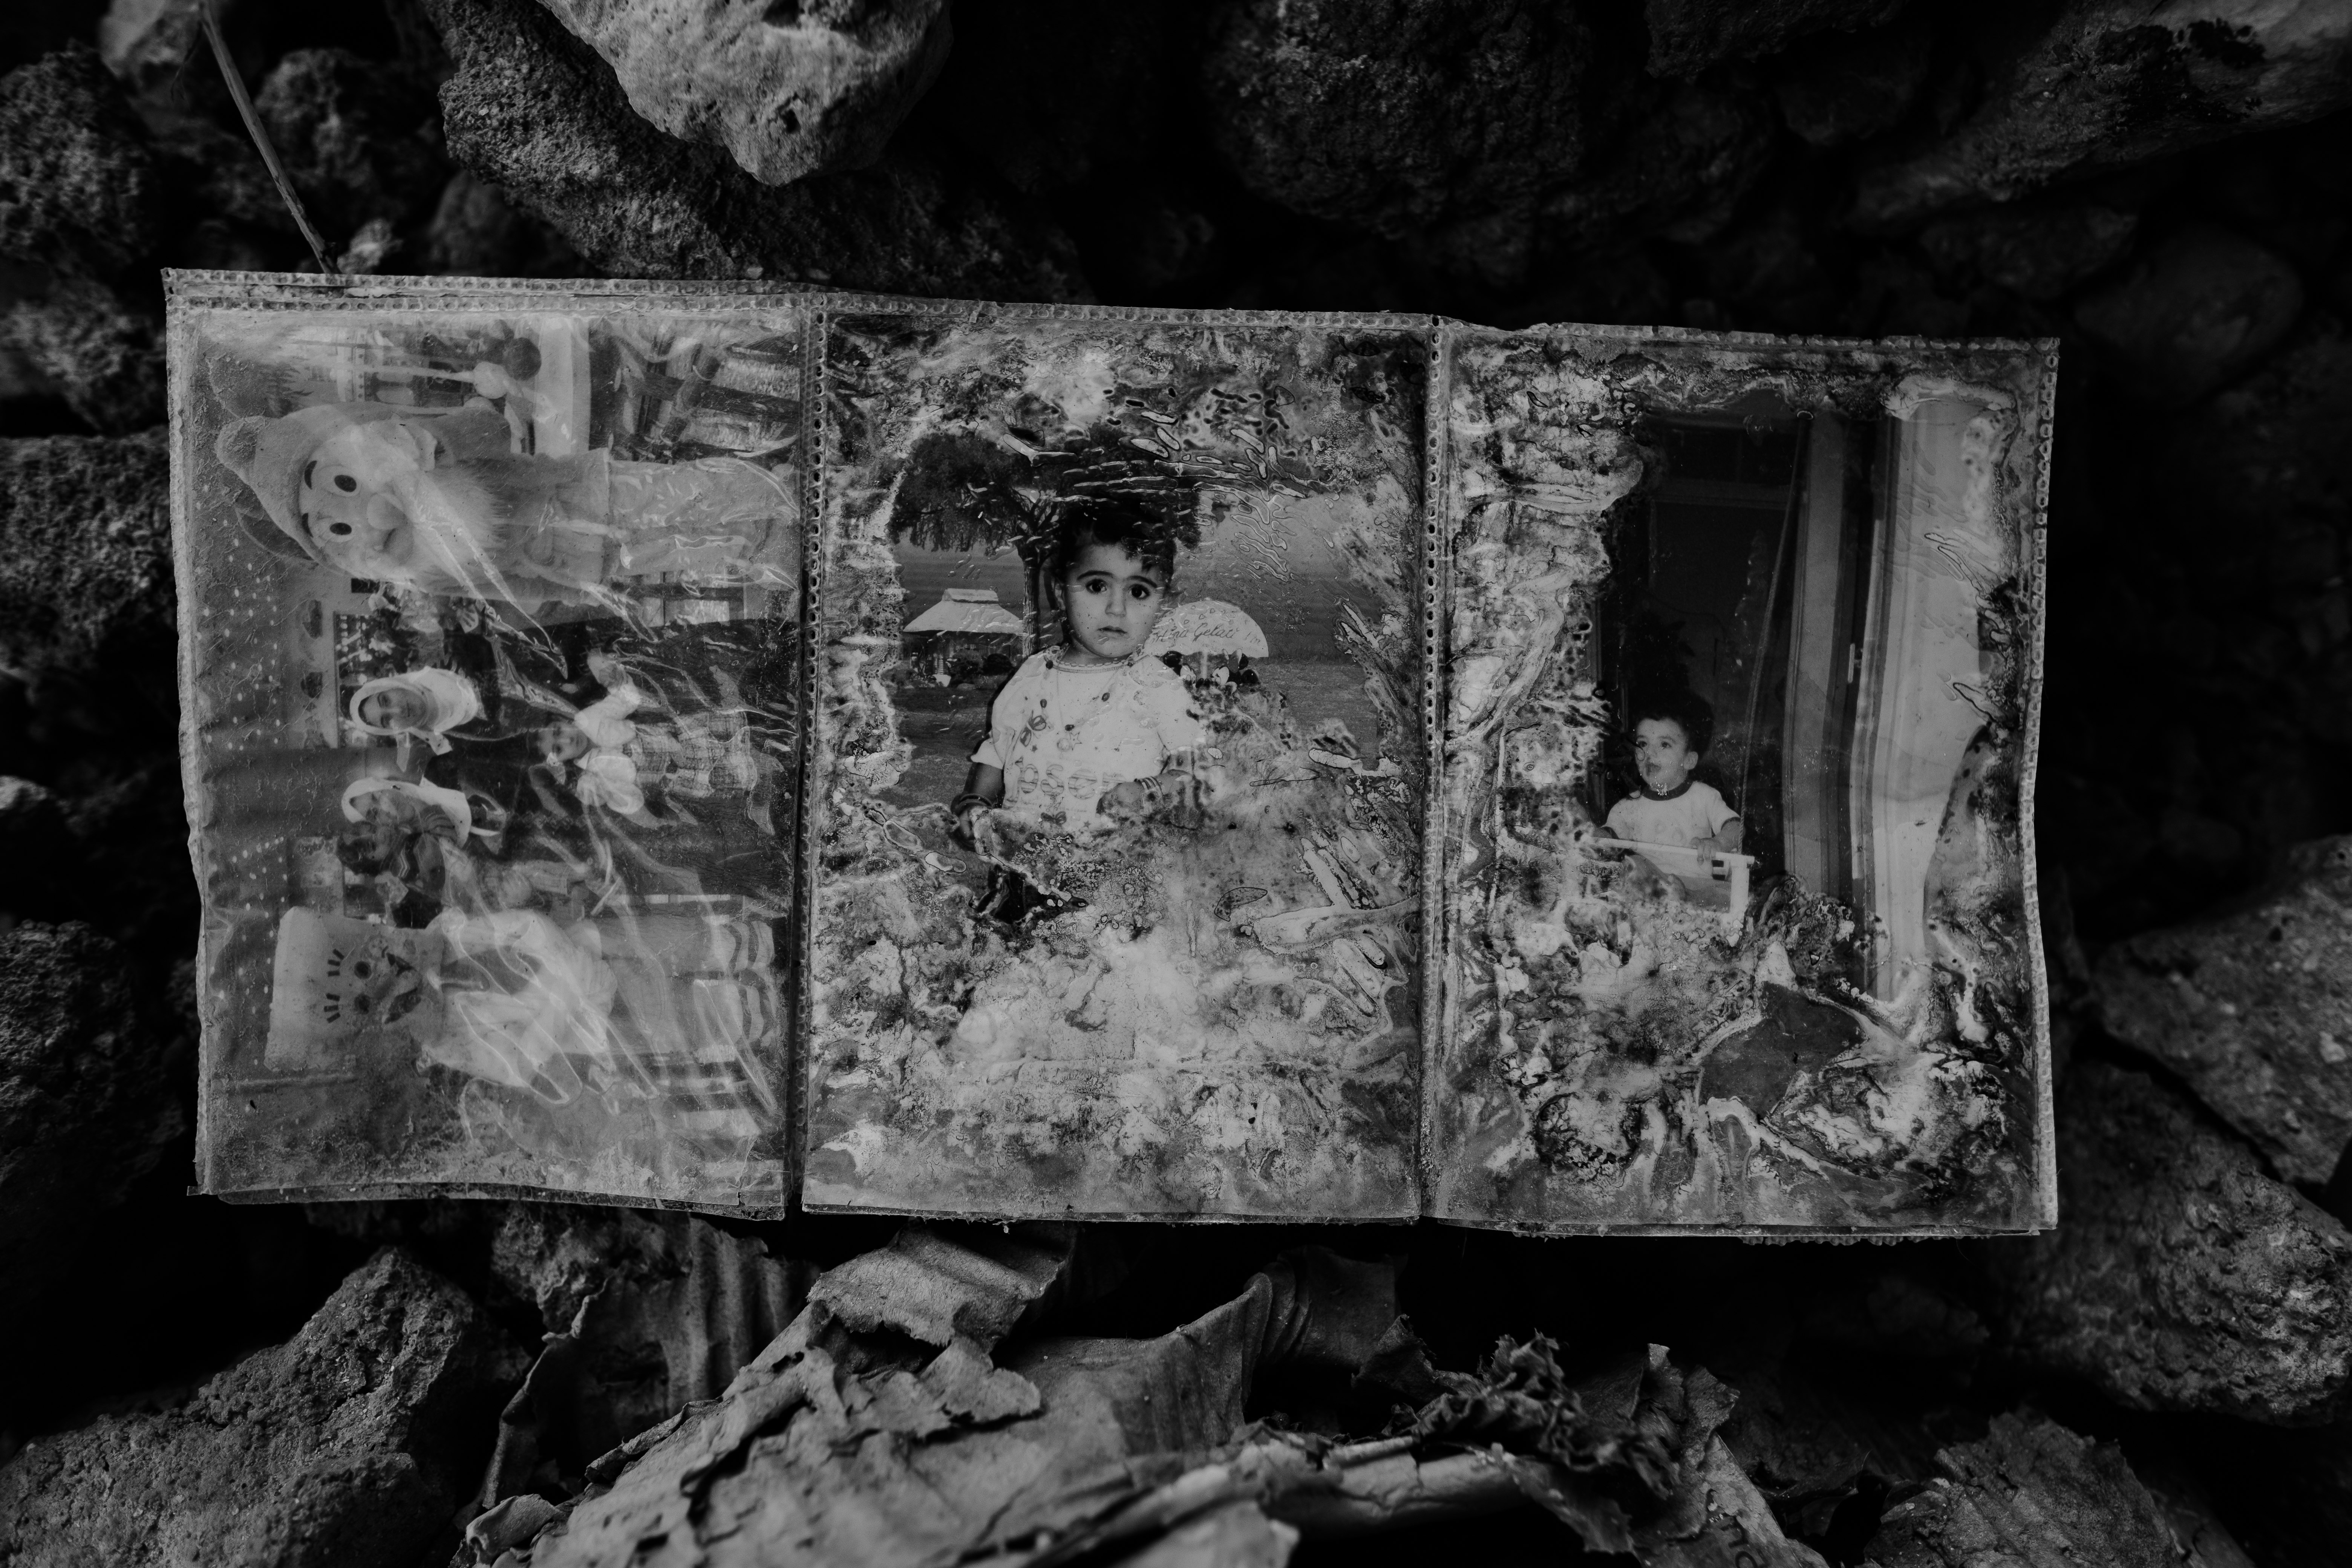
column 85, row 545
column 1686, row 37
column 2252, row 1008
column 2111, row 83
column 2182, row 1276
column 359, row 138
column 2039, row 253
column 2193, row 314
column 350, row 1446
column 1395, row 116
column 78, row 190
column 1847, row 86
column 81, row 201
column 790, row 91
column 1678, row 173
column 531, row 109
column 2034, row 1492
column 103, row 357
column 88, row 1092
column 476, row 232
column 146, row 43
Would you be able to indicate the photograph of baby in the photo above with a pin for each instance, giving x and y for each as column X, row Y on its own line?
column 1120, row 753
column 496, row 735
column 1738, row 929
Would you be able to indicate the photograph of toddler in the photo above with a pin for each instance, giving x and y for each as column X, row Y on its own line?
column 1095, row 729
column 1670, row 806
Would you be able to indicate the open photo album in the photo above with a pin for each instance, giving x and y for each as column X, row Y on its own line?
column 735, row 747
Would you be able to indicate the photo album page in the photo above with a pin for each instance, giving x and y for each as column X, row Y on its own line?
column 492, row 665
column 741, row 748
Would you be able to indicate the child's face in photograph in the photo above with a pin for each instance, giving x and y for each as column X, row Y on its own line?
column 396, row 708
column 1663, row 754
column 564, row 741
column 1111, row 599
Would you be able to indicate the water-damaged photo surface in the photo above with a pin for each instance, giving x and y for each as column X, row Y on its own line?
column 1118, row 787
column 493, row 740
column 1741, row 674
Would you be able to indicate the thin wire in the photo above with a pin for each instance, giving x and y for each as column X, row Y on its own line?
column 211, row 22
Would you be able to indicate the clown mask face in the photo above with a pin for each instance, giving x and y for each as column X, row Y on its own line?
column 352, row 490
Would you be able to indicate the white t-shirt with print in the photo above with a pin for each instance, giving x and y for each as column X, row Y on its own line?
column 1064, row 734
column 1693, row 812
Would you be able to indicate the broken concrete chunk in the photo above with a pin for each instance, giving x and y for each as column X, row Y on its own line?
column 533, row 111
column 2109, row 85
column 2192, row 315
column 1395, row 117
column 85, row 546
column 2181, row 1276
column 1841, row 88
column 789, row 90
column 78, row 189
column 350, row 1446
column 358, row 138
column 2253, row 1010
column 2030, row 1492
column 2039, row 252
column 1689, row 36
column 103, row 357
column 86, row 1099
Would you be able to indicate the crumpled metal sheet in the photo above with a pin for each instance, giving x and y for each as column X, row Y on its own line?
column 885, row 1426
column 876, row 1429
column 644, row 1313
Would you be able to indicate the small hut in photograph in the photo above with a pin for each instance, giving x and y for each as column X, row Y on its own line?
column 1217, row 639
column 969, row 635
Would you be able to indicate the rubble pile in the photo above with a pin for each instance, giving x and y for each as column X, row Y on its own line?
column 2167, row 1378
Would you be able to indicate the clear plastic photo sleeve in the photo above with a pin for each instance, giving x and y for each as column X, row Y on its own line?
column 490, row 602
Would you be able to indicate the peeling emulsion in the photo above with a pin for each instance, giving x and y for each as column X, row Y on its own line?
column 1610, row 1054
column 1220, row 1013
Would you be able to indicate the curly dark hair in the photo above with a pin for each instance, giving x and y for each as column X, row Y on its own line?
column 1687, row 709
column 1142, row 530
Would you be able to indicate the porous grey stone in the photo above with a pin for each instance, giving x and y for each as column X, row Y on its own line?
column 358, row 138
column 1396, row 115
column 2039, row 252
column 77, row 181
column 1844, row 87
column 2032, row 1492
column 102, row 356
column 350, row 1446
column 87, row 1093
column 534, row 111
column 2182, row 1276
column 85, row 545
column 2107, row 84
column 2252, row 1008
column 1689, row 36
column 2196, row 312
column 789, row 90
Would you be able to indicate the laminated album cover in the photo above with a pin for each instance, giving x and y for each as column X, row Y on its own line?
column 736, row 747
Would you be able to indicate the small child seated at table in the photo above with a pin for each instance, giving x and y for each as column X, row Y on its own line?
column 1671, row 808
